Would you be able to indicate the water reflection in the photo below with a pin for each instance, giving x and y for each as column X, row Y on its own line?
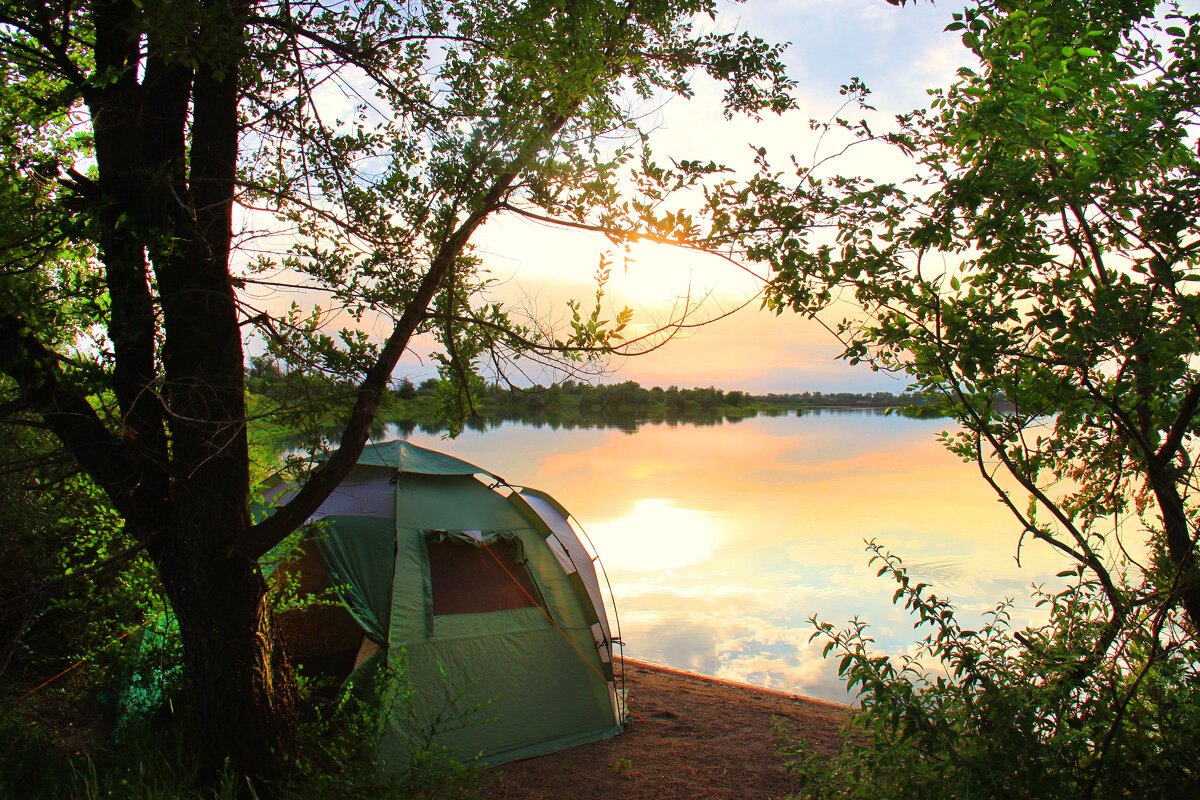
column 657, row 535
column 721, row 541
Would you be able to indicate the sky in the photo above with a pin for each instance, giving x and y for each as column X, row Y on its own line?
column 898, row 52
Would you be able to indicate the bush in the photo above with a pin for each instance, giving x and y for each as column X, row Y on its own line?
column 49, row 757
column 340, row 750
column 1038, row 713
column 55, row 526
column 42, row 761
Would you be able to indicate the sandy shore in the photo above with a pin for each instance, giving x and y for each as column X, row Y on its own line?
column 690, row 737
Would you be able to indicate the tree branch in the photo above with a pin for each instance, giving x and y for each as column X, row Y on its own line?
column 258, row 539
column 69, row 415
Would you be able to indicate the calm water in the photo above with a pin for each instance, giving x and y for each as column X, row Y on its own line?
column 722, row 541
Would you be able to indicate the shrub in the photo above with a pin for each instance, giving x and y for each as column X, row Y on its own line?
column 341, row 748
column 995, row 712
column 56, row 527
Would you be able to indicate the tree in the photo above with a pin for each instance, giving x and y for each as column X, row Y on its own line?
column 1036, row 274
column 373, row 139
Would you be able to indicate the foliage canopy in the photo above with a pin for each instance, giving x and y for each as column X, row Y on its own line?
column 165, row 164
column 1038, row 274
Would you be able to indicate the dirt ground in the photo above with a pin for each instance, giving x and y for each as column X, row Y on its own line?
column 690, row 738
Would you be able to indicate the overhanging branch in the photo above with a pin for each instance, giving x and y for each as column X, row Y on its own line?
column 66, row 413
column 258, row 539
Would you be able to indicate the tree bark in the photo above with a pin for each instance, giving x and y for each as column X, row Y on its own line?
column 166, row 151
column 1180, row 546
column 243, row 686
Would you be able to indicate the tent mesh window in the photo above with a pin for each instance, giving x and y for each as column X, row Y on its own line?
column 467, row 579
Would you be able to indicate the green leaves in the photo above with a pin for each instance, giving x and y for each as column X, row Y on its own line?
column 1001, row 709
column 1035, row 274
column 474, row 110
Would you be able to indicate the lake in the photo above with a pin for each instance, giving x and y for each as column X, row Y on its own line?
column 721, row 541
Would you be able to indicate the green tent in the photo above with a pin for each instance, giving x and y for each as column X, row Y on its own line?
column 482, row 593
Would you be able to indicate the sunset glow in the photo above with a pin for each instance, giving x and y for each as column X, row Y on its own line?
column 656, row 536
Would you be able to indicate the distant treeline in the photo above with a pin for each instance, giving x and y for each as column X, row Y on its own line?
column 607, row 397
column 572, row 403
column 630, row 394
column 855, row 399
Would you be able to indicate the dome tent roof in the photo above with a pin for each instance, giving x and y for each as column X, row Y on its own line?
column 409, row 458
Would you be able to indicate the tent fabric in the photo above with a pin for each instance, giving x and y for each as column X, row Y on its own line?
column 365, row 494
column 565, row 541
column 363, row 581
column 409, row 458
column 499, row 678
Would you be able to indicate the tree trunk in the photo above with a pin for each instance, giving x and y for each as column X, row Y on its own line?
column 1180, row 545
column 242, row 683
column 164, row 110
